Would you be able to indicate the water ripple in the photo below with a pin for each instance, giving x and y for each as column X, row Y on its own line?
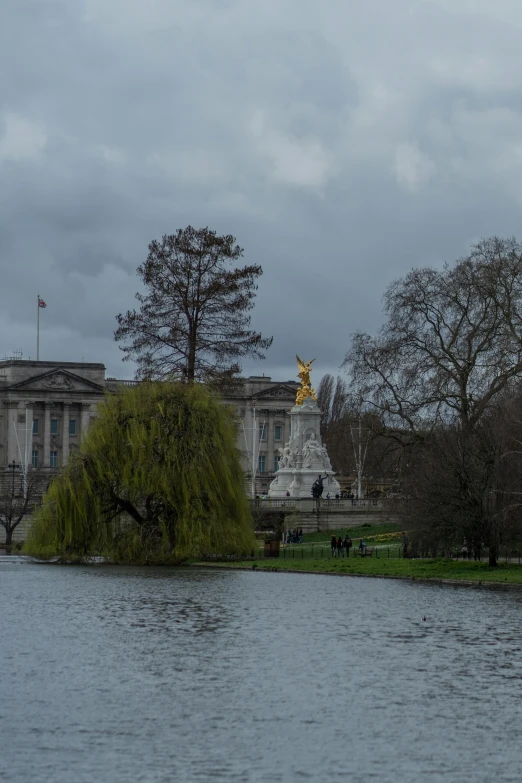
column 157, row 674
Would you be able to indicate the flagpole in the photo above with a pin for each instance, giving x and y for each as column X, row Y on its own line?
column 38, row 328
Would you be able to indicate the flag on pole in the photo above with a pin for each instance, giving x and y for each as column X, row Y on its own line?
column 41, row 303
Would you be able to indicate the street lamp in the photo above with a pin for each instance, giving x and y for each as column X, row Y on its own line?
column 12, row 467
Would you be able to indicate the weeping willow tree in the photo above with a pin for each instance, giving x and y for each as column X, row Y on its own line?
column 157, row 479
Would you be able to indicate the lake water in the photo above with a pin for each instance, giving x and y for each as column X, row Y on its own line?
column 116, row 675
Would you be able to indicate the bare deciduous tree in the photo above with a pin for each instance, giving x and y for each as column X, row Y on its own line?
column 450, row 347
column 332, row 398
column 451, row 342
column 193, row 322
column 18, row 499
column 353, row 435
column 464, row 486
column 324, row 399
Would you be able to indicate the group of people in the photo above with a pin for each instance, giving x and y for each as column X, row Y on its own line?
column 295, row 536
column 340, row 546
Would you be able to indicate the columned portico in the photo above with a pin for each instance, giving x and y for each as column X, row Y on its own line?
column 43, row 406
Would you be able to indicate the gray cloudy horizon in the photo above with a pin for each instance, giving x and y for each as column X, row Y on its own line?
column 342, row 143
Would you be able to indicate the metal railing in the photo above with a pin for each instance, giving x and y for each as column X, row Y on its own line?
column 113, row 382
column 333, row 503
column 323, row 551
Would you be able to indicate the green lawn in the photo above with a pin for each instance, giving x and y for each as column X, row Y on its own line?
column 438, row 569
column 366, row 531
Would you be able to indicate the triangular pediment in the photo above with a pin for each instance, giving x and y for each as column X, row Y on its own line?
column 280, row 390
column 58, row 380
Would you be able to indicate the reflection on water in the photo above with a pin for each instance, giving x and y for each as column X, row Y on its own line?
column 126, row 674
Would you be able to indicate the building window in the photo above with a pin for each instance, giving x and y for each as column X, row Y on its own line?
column 54, row 426
column 72, row 426
column 262, row 463
column 262, row 432
column 53, row 459
column 35, row 458
column 279, row 413
column 277, row 457
column 277, row 432
column 35, row 426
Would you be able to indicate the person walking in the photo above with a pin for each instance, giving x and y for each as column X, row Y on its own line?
column 333, row 544
column 347, row 544
column 339, row 545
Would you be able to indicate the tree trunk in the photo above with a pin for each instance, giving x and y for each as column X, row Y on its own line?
column 9, row 535
column 493, row 539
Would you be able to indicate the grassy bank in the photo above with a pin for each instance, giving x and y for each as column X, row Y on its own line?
column 438, row 569
column 386, row 538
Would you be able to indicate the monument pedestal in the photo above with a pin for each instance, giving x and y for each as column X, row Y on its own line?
column 304, row 458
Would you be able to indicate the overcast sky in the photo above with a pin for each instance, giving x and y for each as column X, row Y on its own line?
column 342, row 142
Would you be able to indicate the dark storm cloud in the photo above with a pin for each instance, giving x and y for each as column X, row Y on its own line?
column 342, row 143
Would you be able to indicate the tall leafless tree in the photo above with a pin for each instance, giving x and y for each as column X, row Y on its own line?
column 451, row 344
column 193, row 322
column 332, row 398
column 352, row 434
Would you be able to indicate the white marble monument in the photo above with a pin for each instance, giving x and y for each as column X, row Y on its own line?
column 304, row 458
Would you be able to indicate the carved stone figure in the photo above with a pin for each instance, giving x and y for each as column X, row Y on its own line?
column 325, row 458
column 295, row 485
column 58, row 382
column 287, row 458
column 312, row 452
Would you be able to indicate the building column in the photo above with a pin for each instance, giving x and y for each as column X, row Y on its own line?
column 287, row 428
column 255, row 445
column 65, row 433
column 12, row 448
column 28, row 433
column 270, row 442
column 47, row 434
column 85, row 418
column 247, row 438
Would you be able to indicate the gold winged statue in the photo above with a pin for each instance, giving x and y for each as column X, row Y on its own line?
column 305, row 390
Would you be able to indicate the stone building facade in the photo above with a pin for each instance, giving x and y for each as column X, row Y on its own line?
column 45, row 407
column 263, row 407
